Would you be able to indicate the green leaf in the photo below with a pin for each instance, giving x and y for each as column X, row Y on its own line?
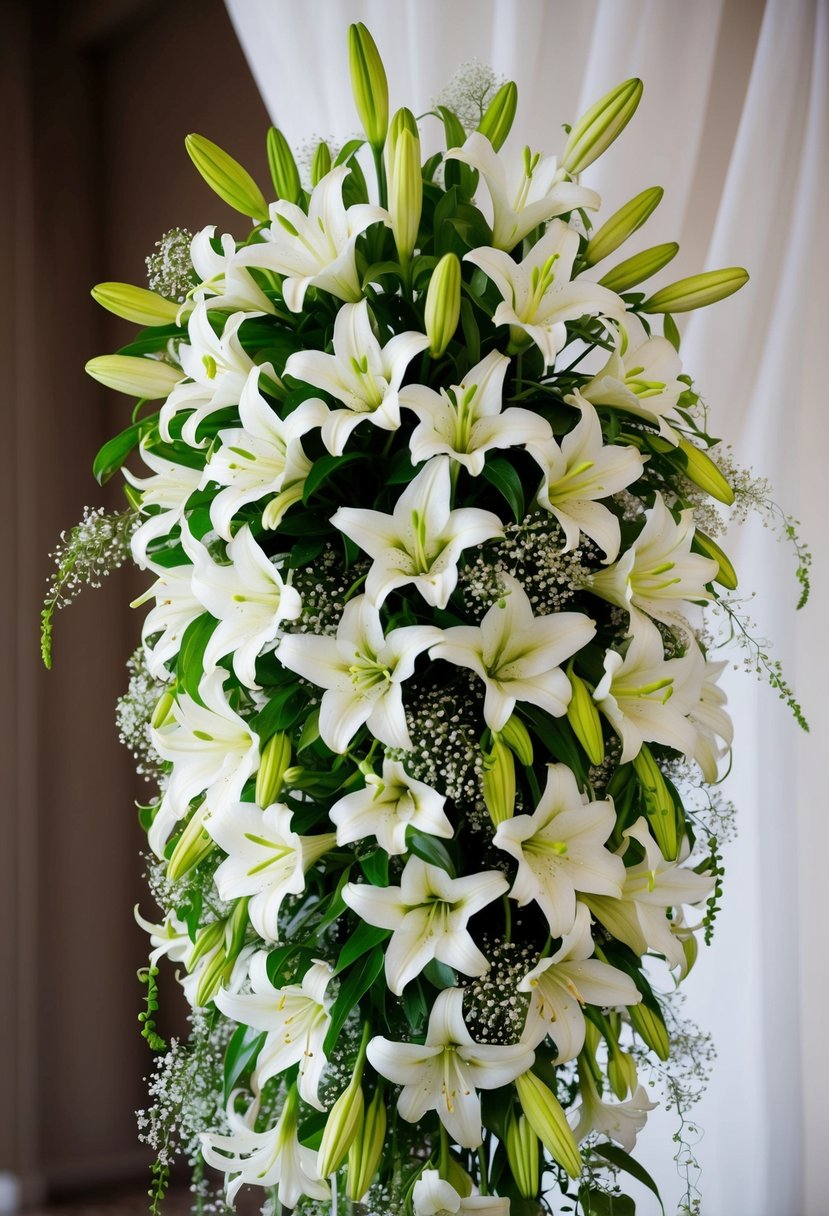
column 431, row 850
column 414, row 1005
column 357, row 985
column 241, row 1055
column 471, row 332
column 623, row 1161
column 324, row 468
column 364, row 938
column 115, row 451
column 502, row 475
column 439, row 975
column 600, row 1203
column 557, row 736
column 282, row 711
column 669, row 328
column 150, row 341
column 190, row 663
column 376, row 868
column 401, row 469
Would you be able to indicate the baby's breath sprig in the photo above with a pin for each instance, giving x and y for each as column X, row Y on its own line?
column 758, row 659
column 170, row 270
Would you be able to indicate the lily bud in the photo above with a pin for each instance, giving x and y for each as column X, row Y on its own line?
column 226, row 177
column 640, row 267
column 697, row 291
column 621, row 1073
column 236, row 927
column 402, row 120
column 216, row 970
column 622, row 224
column 284, row 173
column 344, row 1123
column 499, row 115
column 583, row 716
column 517, row 737
column 369, row 84
column 659, row 805
column 135, row 375
column 443, row 304
column 366, row 1149
column 547, row 1119
column 405, row 192
column 596, row 130
column 135, row 304
column 650, row 1027
column 192, row 846
column 703, row 472
column 161, row 713
column 321, row 163
column 690, row 948
column 726, row 576
column 273, row 765
column 499, row 782
column 522, row 1155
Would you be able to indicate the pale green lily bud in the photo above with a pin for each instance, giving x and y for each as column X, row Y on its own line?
column 703, row 472
column 369, row 84
column 583, row 716
column 402, row 120
column 236, row 927
column 499, row 782
column 517, row 737
column 522, row 1155
column 405, row 192
column 284, row 173
column 443, row 304
column 499, row 115
column 622, row 224
column 548, row 1121
column 697, row 291
column 621, row 1073
column 366, row 1149
column 650, row 1027
column 690, row 948
column 163, row 709
column 135, row 375
column 135, row 304
column 640, row 267
column 344, row 1123
column 274, row 764
column 208, row 939
column 192, row 846
column 216, row 971
column 726, row 576
column 659, row 805
column 226, row 177
column 321, row 163
column 596, row 130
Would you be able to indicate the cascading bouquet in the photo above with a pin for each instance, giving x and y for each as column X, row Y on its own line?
column 425, row 666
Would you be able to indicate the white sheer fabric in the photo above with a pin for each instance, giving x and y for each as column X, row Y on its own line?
column 735, row 124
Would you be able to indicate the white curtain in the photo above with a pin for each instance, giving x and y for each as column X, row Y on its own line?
column 735, row 125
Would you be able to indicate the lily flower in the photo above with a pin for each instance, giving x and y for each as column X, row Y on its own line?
column 387, row 806
column 422, row 541
column 446, row 1072
column 168, row 488
column 619, row 1121
column 262, row 458
column 266, row 860
column 564, row 983
column 432, row 1196
column 170, row 939
column 524, row 194
column 317, row 249
column 273, row 1158
column 640, row 380
column 362, row 672
column 658, row 573
column 466, row 421
column 224, row 282
column 213, row 752
column 296, row 1019
column 560, row 850
column 362, row 374
column 538, row 295
column 248, row 598
column 517, row 655
column 429, row 913
column 712, row 721
column 175, row 607
column 581, row 470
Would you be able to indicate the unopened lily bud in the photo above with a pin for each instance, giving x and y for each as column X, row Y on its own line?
column 226, row 177
column 640, row 267
column 499, row 115
column 284, row 173
column 192, row 846
column 583, row 716
column 321, row 162
column 660, row 807
column 703, row 472
column 273, row 766
column 517, row 737
column 135, row 375
column 369, row 84
column 650, row 1027
column 522, row 1155
column 697, row 291
column 547, row 1119
column 135, row 304
column 344, row 1122
column 236, row 927
column 216, row 971
column 443, row 304
column 366, row 1149
column 690, row 948
column 499, row 782
column 402, row 120
column 405, row 192
column 162, row 711
column 596, row 130
column 621, row 1073
column 208, row 939
column 622, row 224
column 726, row 576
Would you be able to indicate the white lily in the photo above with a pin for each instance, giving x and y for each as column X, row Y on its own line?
column 579, row 471
column 387, row 806
column 422, row 541
column 525, row 193
column 296, row 1019
column 712, row 721
column 266, row 859
column 562, row 984
column 641, row 380
column 213, row 752
column 560, row 850
column 646, row 698
column 517, row 655
column 168, row 488
column 171, row 939
column 429, row 913
column 262, row 458
column 362, row 672
column 538, row 295
column 175, row 607
column 658, row 573
column 466, row 421
column 619, row 1121
column 432, row 1196
column 224, row 282
column 446, row 1072
column 273, row 1158
column 316, row 249
column 362, row 374
column 248, row 598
